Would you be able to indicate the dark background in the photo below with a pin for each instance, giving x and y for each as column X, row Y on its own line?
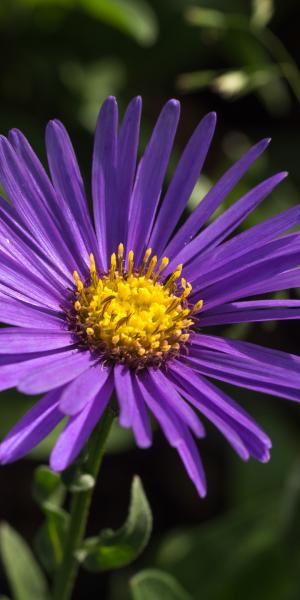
column 61, row 59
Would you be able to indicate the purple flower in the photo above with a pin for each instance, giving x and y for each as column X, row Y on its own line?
column 124, row 305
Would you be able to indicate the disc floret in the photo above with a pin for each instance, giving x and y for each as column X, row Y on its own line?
column 131, row 315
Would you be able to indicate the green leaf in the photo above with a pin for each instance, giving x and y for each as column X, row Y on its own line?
column 263, row 11
column 114, row 549
column 134, row 17
column 153, row 584
column 26, row 579
column 50, row 538
column 47, row 487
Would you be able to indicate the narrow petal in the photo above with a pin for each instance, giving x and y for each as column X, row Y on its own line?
column 175, row 431
column 183, row 183
column 32, row 428
column 15, row 312
column 66, row 233
column 16, row 340
column 29, row 203
column 68, row 182
column 259, row 354
column 133, row 411
column 79, row 428
column 218, row 272
column 240, row 285
column 104, row 178
column 224, row 225
column 245, row 242
column 83, row 389
column 59, row 370
column 214, row 199
column 243, row 373
column 127, row 156
column 167, row 391
column 150, row 178
column 241, row 431
column 250, row 312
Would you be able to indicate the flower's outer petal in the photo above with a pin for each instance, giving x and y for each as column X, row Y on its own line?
column 214, row 199
column 282, row 281
column 104, row 178
column 83, row 389
column 150, row 179
column 14, row 340
column 16, row 242
column 246, row 350
column 250, row 312
column 224, row 225
column 244, row 373
column 278, row 247
column 183, row 183
column 133, row 411
column 57, row 371
column 30, row 204
column 68, row 183
column 15, row 312
column 32, row 428
column 243, row 243
column 68, row 242
column 127, row 155
column 175, row 430
column 79, row 428
column 241, row 431
column 240, row 285
column 15, row 277
column 181, row 408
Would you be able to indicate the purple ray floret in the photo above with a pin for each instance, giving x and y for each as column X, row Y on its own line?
column 119, row 301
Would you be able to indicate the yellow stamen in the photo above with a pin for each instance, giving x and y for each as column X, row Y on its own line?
column 131, row 316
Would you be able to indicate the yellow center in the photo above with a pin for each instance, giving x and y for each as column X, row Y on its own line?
column 132, row 316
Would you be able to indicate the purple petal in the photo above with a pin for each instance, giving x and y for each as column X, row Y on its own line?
column 127, row 154
column 16, row 340
column 175, row 431
column 224, row 225
column 79, row 428
column 67, row 239
column 218, row 272
column 242, row 284
column 83, row 389
column 57, row 371
column 150, row 179
column 29, row 203
column 104, row 178
column 241, row 431
column 133, row 412
column 246, row 241
column 183, row 183
column 14, row 312
column 169, row 394
column 68, row 183
column 259, row 354
column 32, row 428
column 244, row 373
column 213, row 199
column 250, row 312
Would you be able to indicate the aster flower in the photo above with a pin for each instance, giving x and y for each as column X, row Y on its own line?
column 123, row 304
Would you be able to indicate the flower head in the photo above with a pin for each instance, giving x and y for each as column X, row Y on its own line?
column 123, row 304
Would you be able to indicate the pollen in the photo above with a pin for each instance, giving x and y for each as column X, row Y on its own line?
column 132, row 314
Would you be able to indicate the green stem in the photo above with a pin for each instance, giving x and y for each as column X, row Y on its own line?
column 67, row 571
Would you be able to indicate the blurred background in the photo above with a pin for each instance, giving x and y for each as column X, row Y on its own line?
column 61, row 58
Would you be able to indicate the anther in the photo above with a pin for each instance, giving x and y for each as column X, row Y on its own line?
column 151, row 266
column 163, row 264
column 145, row 260
column 120, row 258
column 130, row 262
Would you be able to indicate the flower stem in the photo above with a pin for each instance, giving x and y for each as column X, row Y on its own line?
column 67, row 571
